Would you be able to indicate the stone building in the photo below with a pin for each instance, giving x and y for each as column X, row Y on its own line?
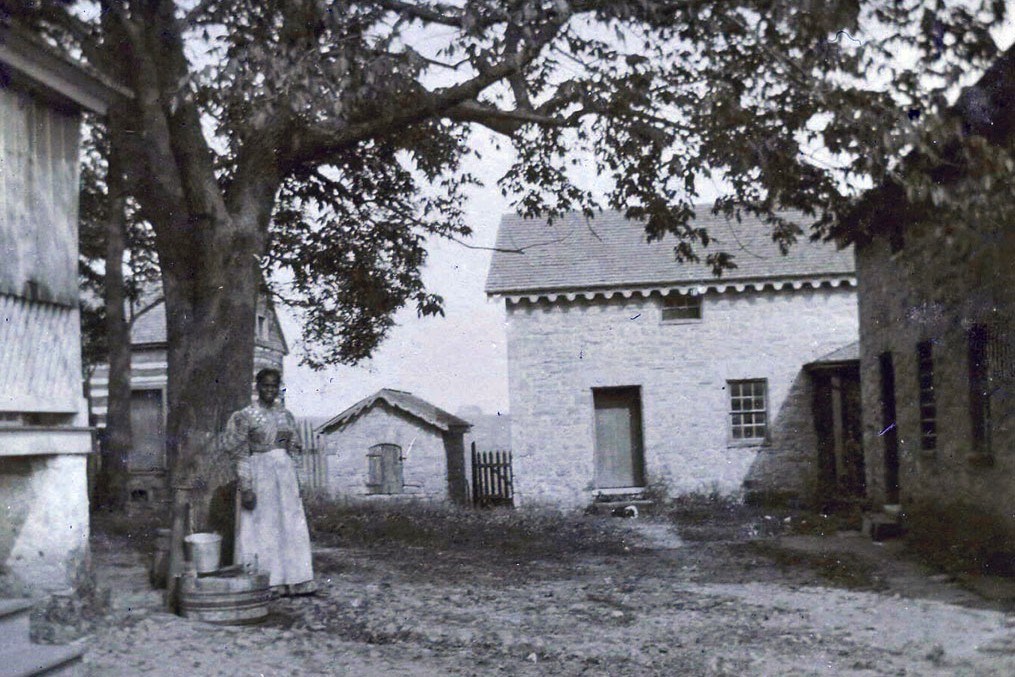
column 44, row 434
column 149, row 378
column 937, row 368
column 628, row 370
column 394, row 444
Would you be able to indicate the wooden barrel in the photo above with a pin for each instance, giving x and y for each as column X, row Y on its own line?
column 225, row 600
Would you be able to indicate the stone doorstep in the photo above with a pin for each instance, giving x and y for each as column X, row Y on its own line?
column 43, row 659
column 881, row 527
column 15, row 622
column 20, row 658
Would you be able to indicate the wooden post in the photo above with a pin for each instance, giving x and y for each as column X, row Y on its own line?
column 181, row 525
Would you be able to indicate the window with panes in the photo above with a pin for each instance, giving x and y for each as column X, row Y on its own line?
column 748, row 410
column 681, row 307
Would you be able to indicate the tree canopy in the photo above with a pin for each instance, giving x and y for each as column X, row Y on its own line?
column 340, row 128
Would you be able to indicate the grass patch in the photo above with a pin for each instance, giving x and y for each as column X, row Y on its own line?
column 713, row 516
column 542, row 534
column 822, row 524
column 840, row 570
column 717, row 517
column 961, row 539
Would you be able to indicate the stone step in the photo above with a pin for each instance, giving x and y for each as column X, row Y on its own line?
column 15, row 624
column 879, row 526
column 43, row 659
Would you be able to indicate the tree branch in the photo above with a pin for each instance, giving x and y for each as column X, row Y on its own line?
column 506, row 122
column 424, row 13
column 315, row 143
column 135, row 316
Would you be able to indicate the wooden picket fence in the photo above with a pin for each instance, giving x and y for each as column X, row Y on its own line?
column 312, row 469
column 492, row 478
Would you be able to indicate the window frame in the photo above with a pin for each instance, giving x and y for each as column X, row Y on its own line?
column 927, row 398
column 733, row 396
column 681, row 303
column 979, row 339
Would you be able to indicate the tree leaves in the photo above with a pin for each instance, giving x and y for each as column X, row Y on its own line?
column 367, row 106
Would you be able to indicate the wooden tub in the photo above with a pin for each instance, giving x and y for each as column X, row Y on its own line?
column 240, row 599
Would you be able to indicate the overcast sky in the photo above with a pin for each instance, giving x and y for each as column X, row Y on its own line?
column 452, row 361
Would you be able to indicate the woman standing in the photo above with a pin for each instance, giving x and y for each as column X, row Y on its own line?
column 271, row 527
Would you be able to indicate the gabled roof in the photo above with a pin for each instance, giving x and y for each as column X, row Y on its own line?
column 150, row 327
column 403, row 401
column 612, row 252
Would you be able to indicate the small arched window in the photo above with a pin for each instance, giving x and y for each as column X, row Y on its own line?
column 384, row 469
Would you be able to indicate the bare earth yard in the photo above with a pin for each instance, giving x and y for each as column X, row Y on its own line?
column 720, row 595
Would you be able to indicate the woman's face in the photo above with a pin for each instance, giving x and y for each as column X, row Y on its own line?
column 267, row 389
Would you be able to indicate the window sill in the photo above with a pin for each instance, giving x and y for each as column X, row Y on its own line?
column 980, row 460
column 740, row 444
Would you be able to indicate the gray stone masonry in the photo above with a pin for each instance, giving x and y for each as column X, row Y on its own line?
column 424, row 469
column 558, row 352
column 933, row 289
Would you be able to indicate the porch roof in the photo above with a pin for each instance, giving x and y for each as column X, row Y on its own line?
column 846, row 354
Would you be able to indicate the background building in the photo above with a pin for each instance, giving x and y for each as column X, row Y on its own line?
column 629, row 370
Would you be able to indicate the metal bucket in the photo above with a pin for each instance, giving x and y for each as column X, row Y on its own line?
column 233, row 600
column 204, row 551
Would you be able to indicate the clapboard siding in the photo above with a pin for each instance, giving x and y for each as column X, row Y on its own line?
column 38, row 200
column 40, row 361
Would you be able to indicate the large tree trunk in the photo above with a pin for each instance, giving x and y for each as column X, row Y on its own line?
column 211, row 309
column 211, row 357
column 111, row 489
column 209, row 241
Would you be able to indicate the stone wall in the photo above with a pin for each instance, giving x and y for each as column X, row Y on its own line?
column 934, row 288
column 558, row 352
column 44, row 528
column 424, row 468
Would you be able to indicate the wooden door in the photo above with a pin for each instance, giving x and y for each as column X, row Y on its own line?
column 619, row 456
column 384, row 469
column 148, row 429
column 889, row 428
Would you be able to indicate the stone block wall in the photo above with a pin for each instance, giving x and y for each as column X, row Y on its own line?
column 934, row 288
column 558, row 352
column 44, row 524
column 424, row 468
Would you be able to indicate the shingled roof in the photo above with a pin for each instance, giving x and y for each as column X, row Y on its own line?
column 612, row 252
column 149, row 329
column 401, row 400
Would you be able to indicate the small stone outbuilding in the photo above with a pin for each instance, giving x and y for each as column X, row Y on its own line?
column 394, row 444
column 630, row 371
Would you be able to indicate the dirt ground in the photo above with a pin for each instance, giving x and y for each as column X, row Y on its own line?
column 733, row 597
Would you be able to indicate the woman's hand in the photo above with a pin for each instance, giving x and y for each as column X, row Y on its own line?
column 248, row 499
